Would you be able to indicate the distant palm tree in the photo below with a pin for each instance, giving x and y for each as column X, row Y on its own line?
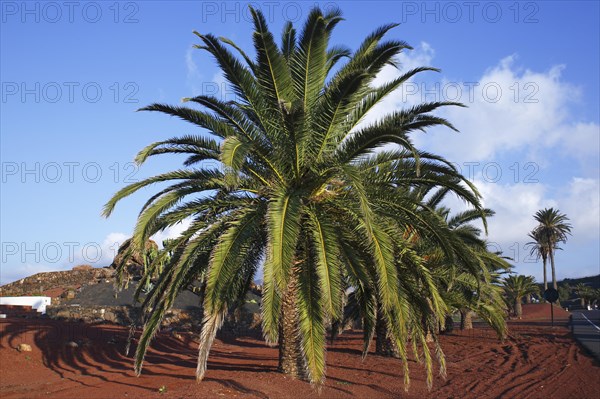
column 596, row 297
column 564, row 292
column 539, row 250
column 516, row 287
column 553, row 229
column 302, row 185
column 585, row 293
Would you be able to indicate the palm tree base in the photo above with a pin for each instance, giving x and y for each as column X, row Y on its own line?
column 448, row 324
column 384, row 346
column 291, row 361
column 466, row 320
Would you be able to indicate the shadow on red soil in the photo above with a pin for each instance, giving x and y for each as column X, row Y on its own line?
column 535, row 361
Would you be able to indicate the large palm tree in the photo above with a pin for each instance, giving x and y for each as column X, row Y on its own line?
column 553, row 229
column 299, row 184
column 516, row 287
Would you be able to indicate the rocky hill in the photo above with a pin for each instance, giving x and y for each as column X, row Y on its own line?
column 592, row 281
column 60, row 284
column 88, row 294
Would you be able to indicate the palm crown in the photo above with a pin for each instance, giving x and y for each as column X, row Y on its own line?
column 304, row 187
column 553, row 228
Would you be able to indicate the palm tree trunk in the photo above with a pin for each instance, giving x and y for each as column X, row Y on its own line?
column 384, row 346
column 290, row 355
column 518, row 308
column 553, row 270
column 466, row 320
column 429, row 336
column 448, row 324
column 545, row 261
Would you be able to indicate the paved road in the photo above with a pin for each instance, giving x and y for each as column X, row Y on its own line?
column 586, row 327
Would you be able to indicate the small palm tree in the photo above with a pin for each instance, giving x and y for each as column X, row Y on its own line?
column 515, row 288
column 564, row 291
column 553, row 229
column 596, row 297
column 471, row 287
column 465, row 277
column 585, row 293
column 539, row 250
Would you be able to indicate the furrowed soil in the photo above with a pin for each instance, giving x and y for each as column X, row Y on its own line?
column 535, row 361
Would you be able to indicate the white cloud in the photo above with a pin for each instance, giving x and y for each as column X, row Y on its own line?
column 110, row 247
column 582, row 205
column 581, row 138
column 580, row 141
column 514, row 205
column 171, row 232
column 192, row 68
column 509, row 109
column 194, row 77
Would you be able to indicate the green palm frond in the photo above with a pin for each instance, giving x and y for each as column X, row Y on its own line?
column 311, row 322
column 273, row 73
column 197, row 145
column 310, row 59
column 198, row 118
column 288, row 40
column 210, row 178
column 328, row 267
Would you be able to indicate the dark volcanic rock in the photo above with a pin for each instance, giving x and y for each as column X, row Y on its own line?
column 104, row 294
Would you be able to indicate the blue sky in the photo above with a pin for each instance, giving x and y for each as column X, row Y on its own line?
column 73, row 74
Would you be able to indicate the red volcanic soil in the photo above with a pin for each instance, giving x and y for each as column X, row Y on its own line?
column 536, row 361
